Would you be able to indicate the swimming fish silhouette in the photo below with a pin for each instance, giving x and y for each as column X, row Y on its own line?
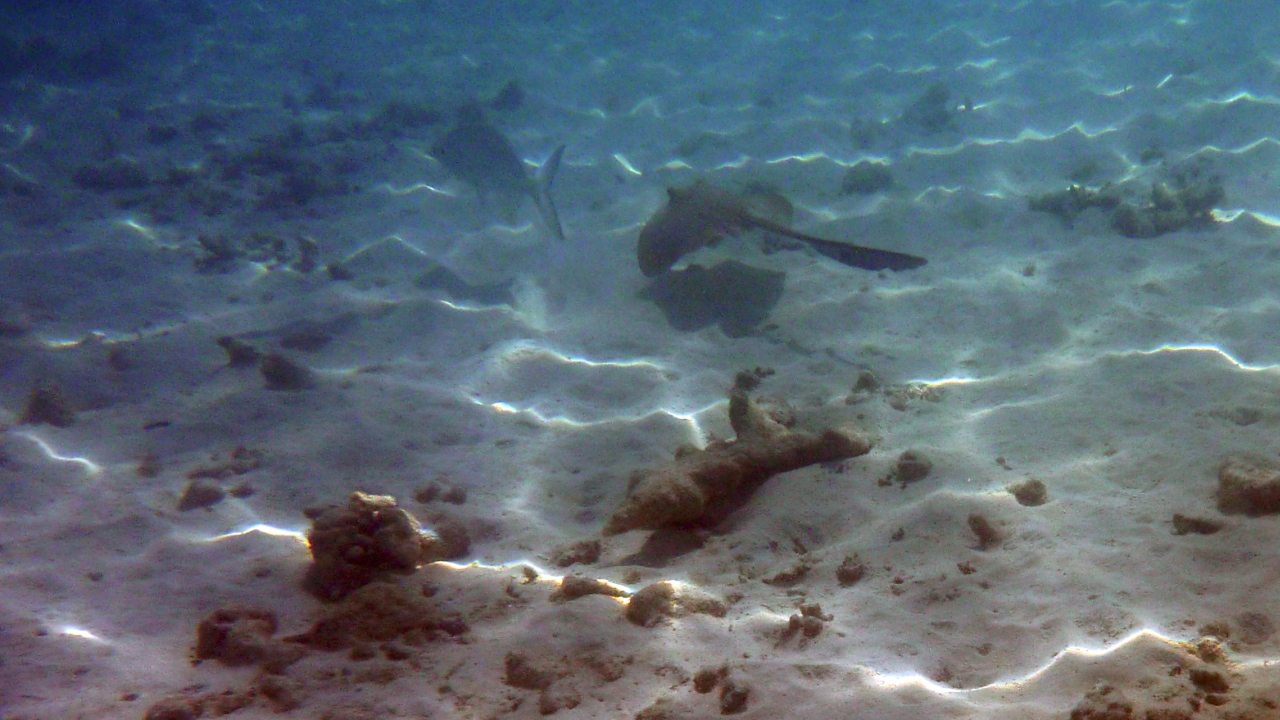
column 702, row 214
column 478, row 154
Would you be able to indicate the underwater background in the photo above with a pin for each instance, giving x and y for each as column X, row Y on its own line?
column 481, row 359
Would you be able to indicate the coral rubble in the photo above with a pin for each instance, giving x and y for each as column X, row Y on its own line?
column 703, row 485
column 1068, row 204
column 241, row 635
column 1189, row 203
column 1169, row 210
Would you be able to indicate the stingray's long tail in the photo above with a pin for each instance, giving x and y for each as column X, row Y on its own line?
column 849, row 254
column 864, row 257
column 542, row 194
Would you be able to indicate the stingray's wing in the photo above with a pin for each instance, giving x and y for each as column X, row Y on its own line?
column 692, row 218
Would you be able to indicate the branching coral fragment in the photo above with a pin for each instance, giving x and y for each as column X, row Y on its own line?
column 702, row 485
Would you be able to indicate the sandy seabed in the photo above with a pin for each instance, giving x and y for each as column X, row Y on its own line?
column 265, row 175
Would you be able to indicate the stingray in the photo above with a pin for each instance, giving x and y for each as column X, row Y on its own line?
column 702, row 214
column 478, row 154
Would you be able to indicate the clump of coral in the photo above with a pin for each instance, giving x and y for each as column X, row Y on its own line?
column 1068, row 204
column 1170, row 209
column 1187, row 202
column 368, row 538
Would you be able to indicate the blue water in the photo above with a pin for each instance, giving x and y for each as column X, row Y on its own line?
column 172, row 173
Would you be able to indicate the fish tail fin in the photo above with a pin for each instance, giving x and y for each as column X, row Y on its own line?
column 542, row 195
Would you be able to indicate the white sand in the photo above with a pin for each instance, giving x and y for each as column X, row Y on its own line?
column 1120, row 372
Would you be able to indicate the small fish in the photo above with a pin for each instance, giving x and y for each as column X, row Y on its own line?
column 702, row 214
column 478, row 154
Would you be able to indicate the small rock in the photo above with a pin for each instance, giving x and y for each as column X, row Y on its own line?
column 912, row 465
column 1210, row 681
column 235, row 635
column 851, row 570
column 281, row 373
column 200, row 494
column 987, row 534
column 1030, row 493
column 733, row 698
column 1183, row 525
column 427, row 494
column 866, row 382
column 48, row 405
column 810, row 627
column 239, row 352
column 1246, row 488
column 648, row 606
column 585, row 552
column 706, row 679
column 573, row 587
column 173, row 708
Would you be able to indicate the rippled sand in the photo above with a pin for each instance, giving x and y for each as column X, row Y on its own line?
column 532, row 379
